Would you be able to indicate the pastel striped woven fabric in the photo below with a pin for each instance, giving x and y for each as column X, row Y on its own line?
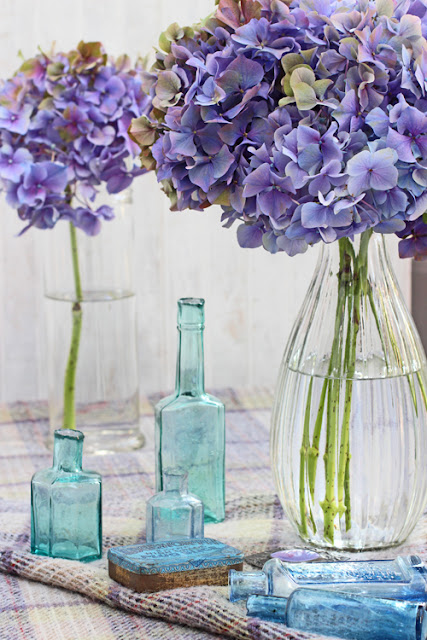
column 93, row 606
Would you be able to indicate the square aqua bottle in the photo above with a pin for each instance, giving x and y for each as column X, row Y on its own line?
column 66, row 520
column 190, row 424
column 174, row 514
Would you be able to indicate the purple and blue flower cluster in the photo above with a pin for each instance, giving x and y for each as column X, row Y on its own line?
column 63, row 133
column 305, row 119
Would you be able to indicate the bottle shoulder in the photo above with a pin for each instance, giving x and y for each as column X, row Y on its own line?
column 202, row 400
column 164, row 402
column 165, row 500
column 44, row 476
column 59, row 476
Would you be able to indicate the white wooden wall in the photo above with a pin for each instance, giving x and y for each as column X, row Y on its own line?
column 252, row 297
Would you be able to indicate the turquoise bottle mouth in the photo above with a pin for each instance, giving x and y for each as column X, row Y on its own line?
column 191, row 313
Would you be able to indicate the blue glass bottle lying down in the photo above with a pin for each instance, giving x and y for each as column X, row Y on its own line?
column 404, row 578
column 343, row 615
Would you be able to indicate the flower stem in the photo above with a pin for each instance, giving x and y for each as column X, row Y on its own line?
column 354, row 298
column 69, row 421
column 313, row 452
column 329, row 504
column 303, row 462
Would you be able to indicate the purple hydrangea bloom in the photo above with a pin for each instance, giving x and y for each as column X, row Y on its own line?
column 321, row 105
column 13, row 163
column 41, row 179
column 90, row 221
column 206, row 170
column 414, row 244
column 17, row 119
column 372, row 170
column 63, row 132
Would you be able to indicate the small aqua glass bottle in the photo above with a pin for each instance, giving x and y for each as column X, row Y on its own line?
column 190, row 424
column 66, row 517
column 174, row 514
column 343, row 615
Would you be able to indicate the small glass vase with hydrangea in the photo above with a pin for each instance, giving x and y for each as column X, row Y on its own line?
column 66, row 163
column 305, row 121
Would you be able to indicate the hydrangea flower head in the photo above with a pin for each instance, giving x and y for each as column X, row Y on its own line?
column 63, row 133
column 303, row 119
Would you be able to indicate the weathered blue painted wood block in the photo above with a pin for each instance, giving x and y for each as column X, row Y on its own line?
column 170, row 565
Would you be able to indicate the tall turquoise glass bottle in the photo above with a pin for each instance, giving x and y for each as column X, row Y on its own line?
column 190, row 424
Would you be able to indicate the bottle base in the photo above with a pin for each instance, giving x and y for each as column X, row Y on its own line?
column 68, row 552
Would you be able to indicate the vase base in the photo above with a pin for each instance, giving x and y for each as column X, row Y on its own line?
column 346, row 547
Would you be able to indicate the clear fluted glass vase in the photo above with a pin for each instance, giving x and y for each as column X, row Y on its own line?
column 349, row 428
column 90, row 313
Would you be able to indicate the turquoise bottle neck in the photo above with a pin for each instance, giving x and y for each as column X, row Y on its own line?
column 68, row 450
column 175, row 481
column 190, row 373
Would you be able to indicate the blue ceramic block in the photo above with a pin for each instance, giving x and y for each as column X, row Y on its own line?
column 343, row 615
column 178, row 563
column 174, row 514
column 404, row 578
column 66, row 504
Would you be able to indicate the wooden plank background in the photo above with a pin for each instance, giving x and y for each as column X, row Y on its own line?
column 252, row 297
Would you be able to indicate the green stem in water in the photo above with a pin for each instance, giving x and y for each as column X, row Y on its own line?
column 422, row 387
column 313, row 452
column 303, row 462
column 344, row 453
column 354, row 298
column 70, row 371
column 329, row 504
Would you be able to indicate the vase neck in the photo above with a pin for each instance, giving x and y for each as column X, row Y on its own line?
column 68, row 450
column 354, row 322
column 190, row 359
column 349, row 254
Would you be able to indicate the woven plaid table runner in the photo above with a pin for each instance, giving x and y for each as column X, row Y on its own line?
column 93, row 605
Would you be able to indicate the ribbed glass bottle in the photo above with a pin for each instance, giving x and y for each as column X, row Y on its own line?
column 190, row 424
column 348, row 440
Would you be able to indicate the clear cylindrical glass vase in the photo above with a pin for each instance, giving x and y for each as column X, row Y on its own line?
column 349, row 427
column 91, row 331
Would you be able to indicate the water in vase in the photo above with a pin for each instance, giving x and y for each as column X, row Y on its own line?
column 107, row 409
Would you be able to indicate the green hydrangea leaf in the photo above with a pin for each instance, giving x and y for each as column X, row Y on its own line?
column 307, row 54
column 349, row 48
column 223, row 198
column 46, row 103
column 385, row 8
column 286, row 81
column 168, row 85
column 305, row 96
column 284, row 101
column 302, row 75
column 291, row 60
column 164, row 43
column 321, row 87
column 142, row 131
column 55, row 70
column 173, row 33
